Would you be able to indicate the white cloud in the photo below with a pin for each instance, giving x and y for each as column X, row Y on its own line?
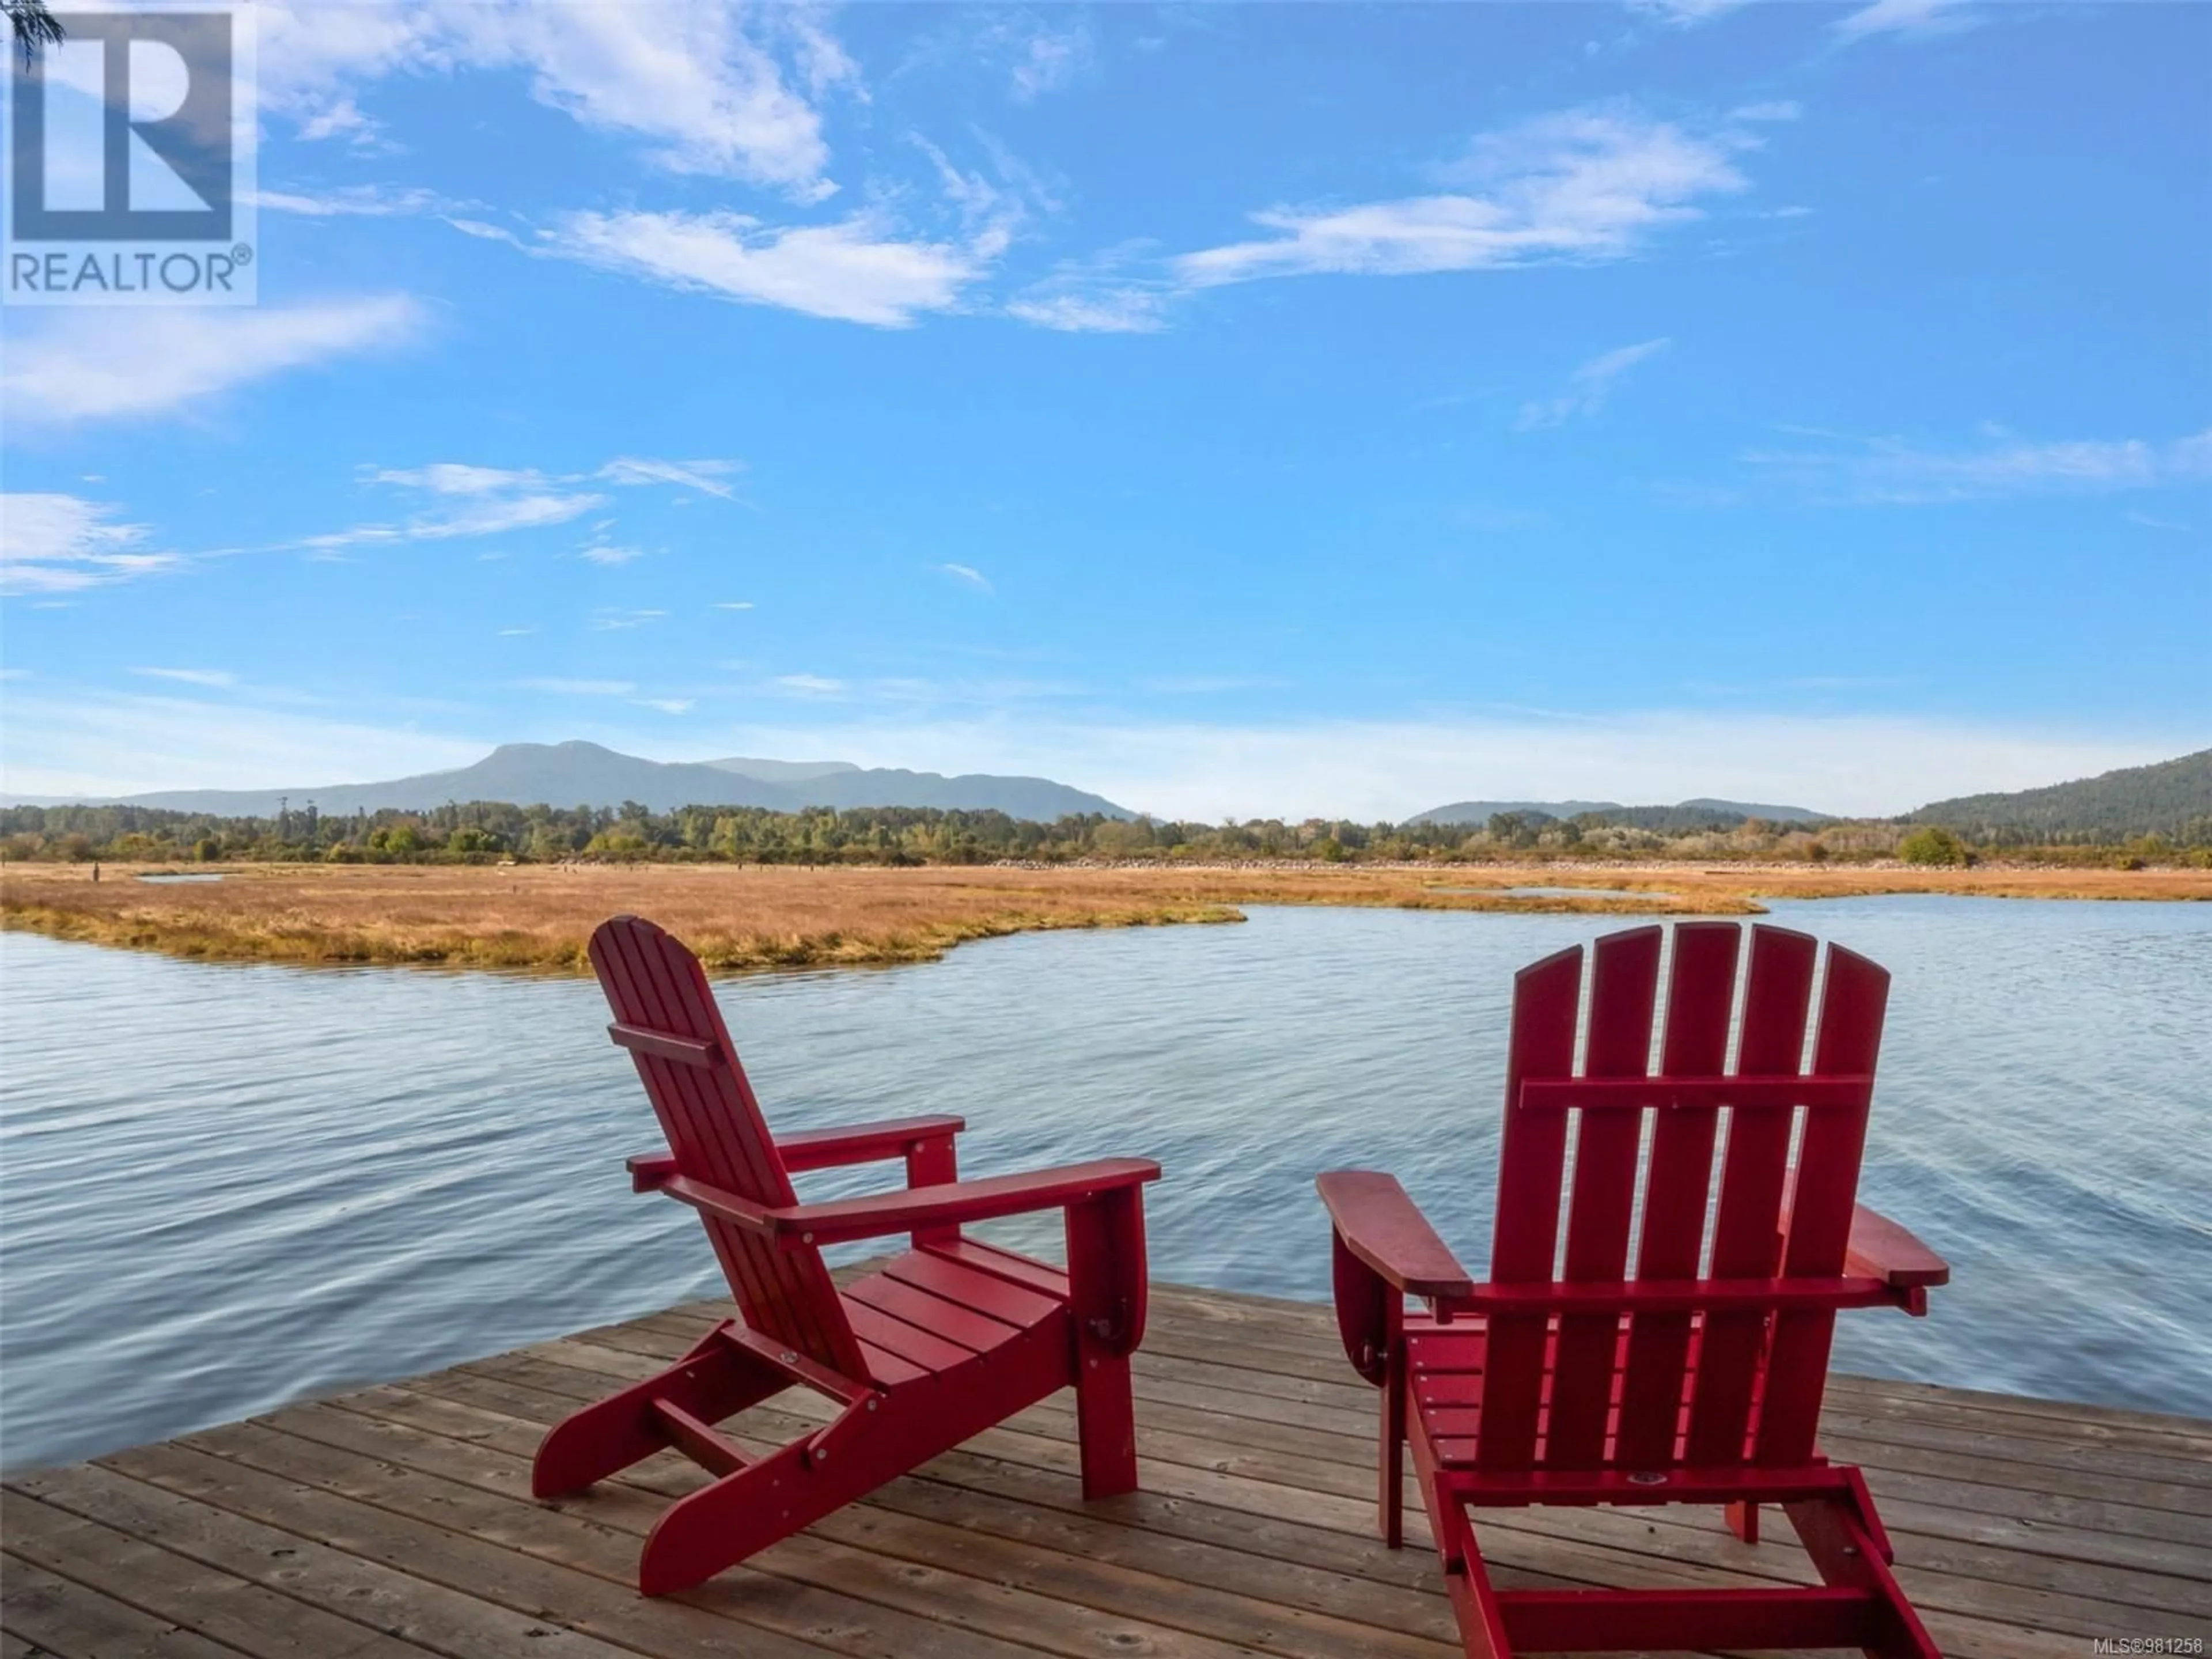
column 515, row 633
column 1889, row 471
column 1909, row 18
column 667, row 705
column 1129, row 309
column 352, row 201
column 456, row 478
column 706, row 477
column 81, row 365
column 808, row 685
column 494, row 504
column 58, row 543
column 1686, row 14
column 608, row 553
column 562, row 688
column 701, row 84
column 1779, row 109
column 497, row 500
column 733, row 604
column 967, row 573
column 1379, row 769
column 854, row 271
column 1588, row 387
column 1583, row 184
column 1045, row 59
column 100, row 744
column 208, row 676
column 610, row 621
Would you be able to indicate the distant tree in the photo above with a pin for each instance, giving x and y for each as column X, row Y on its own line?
column 1934, row 845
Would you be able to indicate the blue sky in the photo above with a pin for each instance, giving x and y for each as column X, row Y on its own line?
column 1234, row 409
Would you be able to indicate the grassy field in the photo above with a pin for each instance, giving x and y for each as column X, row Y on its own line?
column 538, row 916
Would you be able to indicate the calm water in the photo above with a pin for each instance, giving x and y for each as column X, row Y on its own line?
column 225, row 1188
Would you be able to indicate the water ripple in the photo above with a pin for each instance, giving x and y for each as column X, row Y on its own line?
column 228, row 1187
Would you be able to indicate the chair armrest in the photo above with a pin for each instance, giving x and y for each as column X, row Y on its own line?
column 1880, row 1249
column 804, row 1226
column 818, row 1149
column 1385, row 1230
column 862, row 1143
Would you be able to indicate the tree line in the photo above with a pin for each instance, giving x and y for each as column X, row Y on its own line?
column 492, row 831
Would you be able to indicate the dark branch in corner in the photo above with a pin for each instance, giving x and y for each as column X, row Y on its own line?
column 34, row 26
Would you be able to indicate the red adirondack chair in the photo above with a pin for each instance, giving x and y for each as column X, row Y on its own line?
column 1612, row 1365
column 950, row 1337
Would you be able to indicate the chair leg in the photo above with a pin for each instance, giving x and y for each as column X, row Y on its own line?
column 1848, row 1549
column 712, row 1382
column 1390, row 1456
column 1106, row 1423
column 740, row 1515
column 1743, row 1522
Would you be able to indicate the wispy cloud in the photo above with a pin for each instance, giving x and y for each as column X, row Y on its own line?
column 708, row 478
column 667, row 705
column 1910, row 19
column 1588, row 387
column 2149, row 521
column 456, row 478
column 1584, row 184
column 567, row 688
column 808, row 685
column 733, row 604
column 969, row 574
column 1130, row 308
column 1686, row 14
column 354, row 201
column 857, row 271
column 59, row 544
column 708, row 88
column 491, row 501
column 616, row 621
column 208, row 676
column 1042, row 57
column 1893, row 471
column 76, row 365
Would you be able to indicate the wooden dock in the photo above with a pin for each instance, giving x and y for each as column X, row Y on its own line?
column 395, row 1523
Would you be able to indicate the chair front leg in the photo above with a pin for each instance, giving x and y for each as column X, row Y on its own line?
column 1390, row 1461
column 1106, row 1302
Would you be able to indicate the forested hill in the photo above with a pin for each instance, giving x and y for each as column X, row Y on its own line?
column 2172, row 798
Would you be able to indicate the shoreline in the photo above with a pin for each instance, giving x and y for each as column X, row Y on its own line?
column 756, row 917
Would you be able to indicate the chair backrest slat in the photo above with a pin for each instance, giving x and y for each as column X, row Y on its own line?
column 1652, row 1390
column 1700, row 995
column 1754, row 1170
column 1601, row 1199
column 1852, row 1004
column 717, row 1135
column 1545, row 1004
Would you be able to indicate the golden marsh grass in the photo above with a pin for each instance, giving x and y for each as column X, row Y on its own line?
column 536, row 917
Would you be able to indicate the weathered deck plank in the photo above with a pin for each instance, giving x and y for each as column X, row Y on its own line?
column 395, row 1522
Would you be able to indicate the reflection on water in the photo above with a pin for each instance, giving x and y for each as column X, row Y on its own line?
column 225, row 1187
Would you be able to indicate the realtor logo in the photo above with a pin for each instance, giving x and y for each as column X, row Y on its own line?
column 130, row 161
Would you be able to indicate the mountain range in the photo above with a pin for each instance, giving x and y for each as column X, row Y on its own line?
column 1682, row 815
column 2171, row 799
column 586, row 774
